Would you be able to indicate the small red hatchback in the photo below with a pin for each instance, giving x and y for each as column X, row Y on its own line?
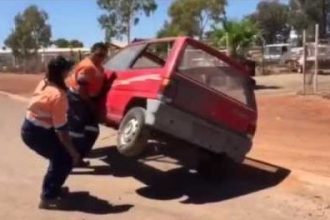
column 182, row 89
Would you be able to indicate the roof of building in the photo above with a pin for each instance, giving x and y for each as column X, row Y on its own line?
column 50, row 50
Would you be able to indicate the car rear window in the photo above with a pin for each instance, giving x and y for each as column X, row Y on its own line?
column 214, row 73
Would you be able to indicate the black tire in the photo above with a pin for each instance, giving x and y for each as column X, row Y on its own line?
column 134, row 144
column 213, row 166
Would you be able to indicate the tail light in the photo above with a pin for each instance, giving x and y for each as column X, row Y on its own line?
column 251, row 130
column 168, row 90
column 165, row 82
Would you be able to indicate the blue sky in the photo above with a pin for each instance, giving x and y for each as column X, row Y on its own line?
column 78, row 18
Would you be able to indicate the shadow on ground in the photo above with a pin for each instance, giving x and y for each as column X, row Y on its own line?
column 264, row 87
column 84, row 202
column 182, row 183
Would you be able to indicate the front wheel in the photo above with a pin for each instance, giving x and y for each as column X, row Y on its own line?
column 132, row 135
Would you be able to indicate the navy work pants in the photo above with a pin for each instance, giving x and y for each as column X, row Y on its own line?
column 46, row 143
column 83, row 124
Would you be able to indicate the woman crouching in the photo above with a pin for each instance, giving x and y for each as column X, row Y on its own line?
column 45, row 131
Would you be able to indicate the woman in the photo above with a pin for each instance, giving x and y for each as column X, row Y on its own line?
column 45, row 131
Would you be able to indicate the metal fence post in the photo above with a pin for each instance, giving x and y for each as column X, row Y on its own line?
column 304, row 61
column 316, row 70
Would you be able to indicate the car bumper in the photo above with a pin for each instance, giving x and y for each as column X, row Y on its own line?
column 182, row 125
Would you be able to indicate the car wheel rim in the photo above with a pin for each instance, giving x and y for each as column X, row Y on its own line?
column 129, row 131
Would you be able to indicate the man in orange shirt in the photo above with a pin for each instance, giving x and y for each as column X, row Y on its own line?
column 86, row 83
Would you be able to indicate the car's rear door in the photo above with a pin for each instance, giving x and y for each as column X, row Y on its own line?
column 212, row 88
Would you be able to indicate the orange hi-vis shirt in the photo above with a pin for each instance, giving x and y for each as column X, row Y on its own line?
column 88, row 72
column 48, row 107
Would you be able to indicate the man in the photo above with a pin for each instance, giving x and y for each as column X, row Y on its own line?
column 86, row 83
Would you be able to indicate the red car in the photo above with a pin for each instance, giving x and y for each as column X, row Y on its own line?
column 182, row 89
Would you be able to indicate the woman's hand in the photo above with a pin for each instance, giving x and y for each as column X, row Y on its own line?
column 69, row 147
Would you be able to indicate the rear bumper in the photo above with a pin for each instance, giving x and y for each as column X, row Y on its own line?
column 179, row 124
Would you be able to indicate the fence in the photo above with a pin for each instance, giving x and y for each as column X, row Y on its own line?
column 315, row 63
column 38, row 62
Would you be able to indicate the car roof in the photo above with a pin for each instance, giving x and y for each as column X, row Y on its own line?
column 157, row 40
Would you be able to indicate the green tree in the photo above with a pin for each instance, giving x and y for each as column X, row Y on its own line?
column 61, row 43
column 64, row 43
column 304, row 14
column 238, row 36
column 193, row 17
column 170, row 30
column 121, row 15
column 272, row 18
column 76, row 44
column 31, row 32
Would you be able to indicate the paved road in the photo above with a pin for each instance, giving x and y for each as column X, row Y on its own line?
column 155, row 188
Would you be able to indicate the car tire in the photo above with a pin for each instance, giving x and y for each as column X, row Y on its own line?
column 132, row 134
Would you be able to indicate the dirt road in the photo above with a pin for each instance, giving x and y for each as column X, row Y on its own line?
column 290, row 83
column 21, row 84
column 24, row 84
column 287, row 174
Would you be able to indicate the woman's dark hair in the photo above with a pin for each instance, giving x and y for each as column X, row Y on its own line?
column 56, row 69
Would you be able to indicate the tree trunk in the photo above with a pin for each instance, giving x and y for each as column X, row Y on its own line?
column 128, row 32
column 129, row 23
column 24, row 65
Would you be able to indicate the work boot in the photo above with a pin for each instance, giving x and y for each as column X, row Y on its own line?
column 50, row 203
column 83, row 164
column 54, row 203
column 64, row 191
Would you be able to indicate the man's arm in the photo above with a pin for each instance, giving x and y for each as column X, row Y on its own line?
column 107, row 84
column 82, row 81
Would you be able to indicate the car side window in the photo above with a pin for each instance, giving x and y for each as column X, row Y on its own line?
column 144, row 63
column 153, row 56
column 124, row 58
